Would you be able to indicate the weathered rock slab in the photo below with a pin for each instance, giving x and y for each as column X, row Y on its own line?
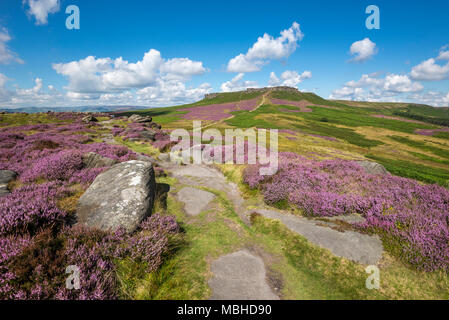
column 358, row 247
column 136, row 118
column 195, row 200
column 240, row 276
column 373, row 167
column 120, row 197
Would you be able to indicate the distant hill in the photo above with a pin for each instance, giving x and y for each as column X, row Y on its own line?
column 74, row 109
column 408, row 139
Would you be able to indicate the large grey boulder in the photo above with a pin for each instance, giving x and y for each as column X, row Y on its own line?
column 94, row 160
column 373, row 167
column 6, row 176
column 122, row 196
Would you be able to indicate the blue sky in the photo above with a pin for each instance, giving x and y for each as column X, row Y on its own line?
column 192, row 46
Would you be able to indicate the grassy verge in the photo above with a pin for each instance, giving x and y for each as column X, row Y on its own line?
column 411, row 170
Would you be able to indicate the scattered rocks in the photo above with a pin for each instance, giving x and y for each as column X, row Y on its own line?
column 155, row 125
column 195, row 200
column 148, row 134
column 358, row 247
column 139, row 119
column 89, row 118
column 120, row 197
column 94, row 160
column 142, row 157
column 6, row 176
column 240, row 276
column 373, row 167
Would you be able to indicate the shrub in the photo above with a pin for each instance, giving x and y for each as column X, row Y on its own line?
column 413, row 216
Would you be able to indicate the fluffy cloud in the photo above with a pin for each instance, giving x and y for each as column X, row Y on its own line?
column 152, row 81
column 363, row 50
column 96, row 76
column 371, row 87
column 236, row 84
column 429, row 70
column 398, row 83
column 6, row 55
column 444, row 55
column 40, row 9
column 289, row 78
column 434, row 98
column 171, row 92
column 267, row 48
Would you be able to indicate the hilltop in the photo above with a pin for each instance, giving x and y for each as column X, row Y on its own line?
column 409, row 140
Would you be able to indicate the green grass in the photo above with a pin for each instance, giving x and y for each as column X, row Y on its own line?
column 310, row 272
column 298, row 96
column 357, row 117
column 346, row 134
column 139, row 147
column 244, row 119
column 438, row 116
column 412, row 170
column 428, row 158
column 19, row 119
column 422, row 145
column 442, row 135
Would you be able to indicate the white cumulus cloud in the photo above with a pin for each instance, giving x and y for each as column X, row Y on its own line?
column 236, row 84
column 289, row 78
column 40, row 9
column 363, row 50
column 265, row 49
column 371, row 87
column 429, row 70
column 105, row 75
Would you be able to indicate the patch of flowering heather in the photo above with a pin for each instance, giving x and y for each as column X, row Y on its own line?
column 30, row 208
column 158, row 222
column 162, row 141
column 86, row 176
column 416, row 216
column 94, row 252
column 430, row 132
column 382, row 116
column 57, row 166
column 10, row 247
column 216, row 112
column 302, row 105
column 117, row 131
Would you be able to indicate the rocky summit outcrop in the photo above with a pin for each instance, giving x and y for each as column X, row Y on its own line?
column 120, row 197
column 6, row 176
column 94, row 160
column 373, row 167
